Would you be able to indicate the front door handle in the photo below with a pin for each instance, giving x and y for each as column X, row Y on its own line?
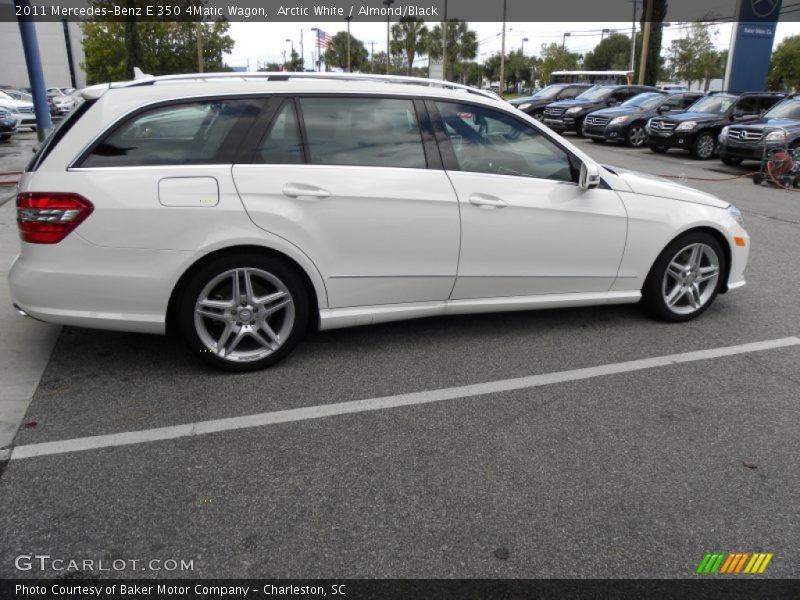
column 487, row 200
column 295, row 190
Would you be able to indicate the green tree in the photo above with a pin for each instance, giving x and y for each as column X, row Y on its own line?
column 694, row 58
column 556, row 58
column 295, row 63
column 165, row 48
column 461, row 44
column 784, row 68
column 611, row 54
column 336, row 53
column 409, row 38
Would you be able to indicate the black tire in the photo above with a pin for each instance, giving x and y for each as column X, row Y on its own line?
column 659, row 148
column 5, row 137
column 636, row 137
column 282, row 271
column 599, row 140
column 704, row 146
column 539, row 116
column 654, row 287
column 757, row 179
column 579, row 129
column 733, row 161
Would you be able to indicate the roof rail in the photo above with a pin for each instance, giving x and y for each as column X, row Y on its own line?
column 285, row 76
column 712, row 92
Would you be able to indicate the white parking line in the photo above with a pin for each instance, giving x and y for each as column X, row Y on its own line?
column 357, row 406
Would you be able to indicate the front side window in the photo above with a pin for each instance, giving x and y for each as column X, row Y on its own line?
column 488, row 141
column 368, row 132
column 717, row 104
column 178, row 134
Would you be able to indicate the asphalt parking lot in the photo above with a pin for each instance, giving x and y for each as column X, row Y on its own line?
column 629, row 470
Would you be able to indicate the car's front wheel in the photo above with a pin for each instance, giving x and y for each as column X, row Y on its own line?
column 732, row 160
column 704, row 146
column 685, row 278
column 659, row 148
column 637, row 136
column 242, row 312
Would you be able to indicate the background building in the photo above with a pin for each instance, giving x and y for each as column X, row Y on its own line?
column 61, row 49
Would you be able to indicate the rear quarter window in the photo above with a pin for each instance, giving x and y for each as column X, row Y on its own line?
column 191, row 133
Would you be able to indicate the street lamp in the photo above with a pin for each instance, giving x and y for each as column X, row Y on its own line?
column 523, row 45
column 291, row 56
column 387, row 4
column 564, row 39
column 603, row 33
column 348, row 43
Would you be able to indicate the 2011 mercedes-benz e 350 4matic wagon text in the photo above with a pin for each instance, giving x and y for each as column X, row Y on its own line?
column 243, row 210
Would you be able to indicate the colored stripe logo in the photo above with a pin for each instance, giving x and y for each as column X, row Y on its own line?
column 734, row 563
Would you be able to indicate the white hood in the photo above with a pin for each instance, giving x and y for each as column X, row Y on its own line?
column 652, row 185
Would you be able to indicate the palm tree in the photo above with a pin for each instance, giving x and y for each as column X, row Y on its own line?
column 462, row 44
column 409, row 35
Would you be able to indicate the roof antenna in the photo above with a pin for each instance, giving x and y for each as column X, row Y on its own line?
column 138, row 74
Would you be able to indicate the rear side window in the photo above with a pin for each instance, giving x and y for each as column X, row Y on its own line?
column 193, row 133
column 58, row 133
column 282, row 144
column 370, row 132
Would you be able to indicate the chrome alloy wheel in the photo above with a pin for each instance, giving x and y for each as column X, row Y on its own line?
column 705, row 146
column 690, row 279
column 244, row 314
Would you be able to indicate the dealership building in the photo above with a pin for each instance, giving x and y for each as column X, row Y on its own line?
column 61, row 49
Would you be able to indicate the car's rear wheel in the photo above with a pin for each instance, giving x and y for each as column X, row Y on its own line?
column 731, row 160
column 704, row 146
column 579, row 128
column 599, row 140
column 242, row 312
column 685, row 278
column 659, row 148
column 637, row 136
column 538, row 116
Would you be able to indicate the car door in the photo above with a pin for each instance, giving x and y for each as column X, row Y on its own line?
column 527, row 228
column 356, row 184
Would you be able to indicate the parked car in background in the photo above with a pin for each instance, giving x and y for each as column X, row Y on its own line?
column 23, row 111
column 534, row 105
column 626, row 123
column 26, row 97
column 233, row 210
column 697, row 130
column 569, row 115
column 65, row 103
column 8, row 124
column 779, row 128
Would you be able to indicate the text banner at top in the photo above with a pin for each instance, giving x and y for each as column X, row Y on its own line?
column 720, row 11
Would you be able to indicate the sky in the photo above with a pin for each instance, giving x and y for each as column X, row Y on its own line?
column 260, row 43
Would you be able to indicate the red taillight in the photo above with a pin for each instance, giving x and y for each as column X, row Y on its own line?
column 48, row 217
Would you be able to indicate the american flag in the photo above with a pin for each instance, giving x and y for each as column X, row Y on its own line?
column 323, row 39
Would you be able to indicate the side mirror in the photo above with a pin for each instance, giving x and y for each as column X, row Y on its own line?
column 589, row 177
column 663, row 109
column 612, row 102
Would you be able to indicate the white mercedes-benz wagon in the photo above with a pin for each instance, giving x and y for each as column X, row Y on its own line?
column 241, row 210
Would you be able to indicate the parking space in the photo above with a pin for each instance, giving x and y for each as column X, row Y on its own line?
column 627, row 470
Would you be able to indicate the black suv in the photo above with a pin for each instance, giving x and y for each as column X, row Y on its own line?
column 698, row 128
column 568, row 115
column 534, row 105
column 780, row 128
column 625, row 123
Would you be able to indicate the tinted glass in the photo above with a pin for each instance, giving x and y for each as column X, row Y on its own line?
column 716, row 104
column 179, row 134
column 596, row 93
column 646, row 100
column 675, row 103
column 487, row 141
column 370, row 132
column 282, row 144
column 747, row 106
column 788, row 109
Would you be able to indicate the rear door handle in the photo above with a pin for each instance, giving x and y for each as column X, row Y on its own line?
column 487, row 200
column 295, row 190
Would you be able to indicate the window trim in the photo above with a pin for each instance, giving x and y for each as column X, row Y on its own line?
column 238, row 131
column 262, row 127
column 449, row 155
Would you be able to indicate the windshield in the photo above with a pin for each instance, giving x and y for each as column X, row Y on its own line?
column 788, row 109
column 548, row 92
column 717, row 104
column 646, row 100
column 596, row 93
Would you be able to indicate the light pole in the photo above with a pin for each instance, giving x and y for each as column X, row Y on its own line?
column 503, row 54
column 564, row 39
column 348, row 43
column 603, row 33
column 633, row 35
column 388, row 4
column 316, row 45
column 523, row 45
column 291, row 56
